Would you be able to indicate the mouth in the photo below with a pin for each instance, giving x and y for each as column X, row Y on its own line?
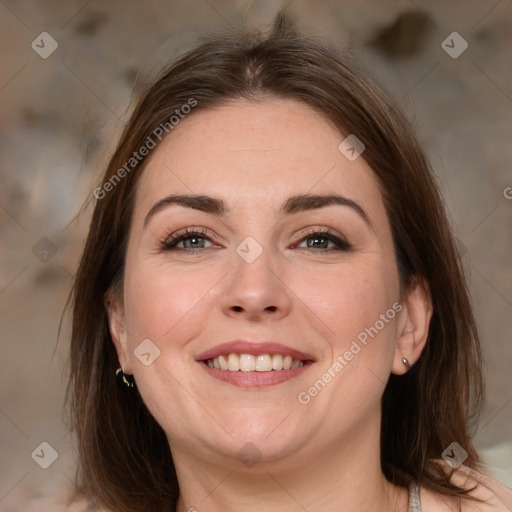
column 249, row 364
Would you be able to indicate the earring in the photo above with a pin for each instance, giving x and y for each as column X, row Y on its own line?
column 409, row 365
column 127, row 380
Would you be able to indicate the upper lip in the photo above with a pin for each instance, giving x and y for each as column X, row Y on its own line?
column 253, row 347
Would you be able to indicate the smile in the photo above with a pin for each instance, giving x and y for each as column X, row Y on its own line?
column 251, row 363
column 255, row 363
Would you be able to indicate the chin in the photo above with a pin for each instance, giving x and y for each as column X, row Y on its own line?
column 270, row 435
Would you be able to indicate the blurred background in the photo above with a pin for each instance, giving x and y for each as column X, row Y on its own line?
column 68, row 74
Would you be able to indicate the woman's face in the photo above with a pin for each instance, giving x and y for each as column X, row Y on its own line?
column 259, row 272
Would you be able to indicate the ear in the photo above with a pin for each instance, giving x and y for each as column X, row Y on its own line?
column 117, row 326
column 412, row 325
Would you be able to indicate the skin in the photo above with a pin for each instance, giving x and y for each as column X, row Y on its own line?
column 323, row 455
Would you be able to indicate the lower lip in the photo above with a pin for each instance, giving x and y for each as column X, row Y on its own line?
column 254, row 379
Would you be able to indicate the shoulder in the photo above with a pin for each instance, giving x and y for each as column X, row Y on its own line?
column 495, row 496
column 58, row 494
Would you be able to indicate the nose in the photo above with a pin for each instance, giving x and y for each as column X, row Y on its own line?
column 257, row 291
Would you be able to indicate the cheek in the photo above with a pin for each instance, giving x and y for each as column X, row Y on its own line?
column 169, row 307
column 359, row 306
column 161, row 301
column 349, row 300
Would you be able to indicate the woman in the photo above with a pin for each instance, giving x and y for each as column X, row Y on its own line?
column 269, row 313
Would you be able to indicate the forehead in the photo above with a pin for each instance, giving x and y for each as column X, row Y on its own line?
column 253, row 154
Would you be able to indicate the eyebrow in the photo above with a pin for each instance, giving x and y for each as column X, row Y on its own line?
column 293, row 204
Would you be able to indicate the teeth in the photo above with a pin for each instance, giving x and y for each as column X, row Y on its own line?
column 223, row 364
column 264, row 363
column 247, row 363
column 233, row 363
column 250, row 363
column 277, row 362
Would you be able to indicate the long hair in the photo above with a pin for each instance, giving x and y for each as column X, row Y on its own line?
column 124, row 458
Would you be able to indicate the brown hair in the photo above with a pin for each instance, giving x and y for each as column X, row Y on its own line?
column 124, row 458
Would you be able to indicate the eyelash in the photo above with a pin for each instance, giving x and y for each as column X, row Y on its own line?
column 170, row 242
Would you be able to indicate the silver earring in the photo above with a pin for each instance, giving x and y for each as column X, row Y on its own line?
column 409, row 365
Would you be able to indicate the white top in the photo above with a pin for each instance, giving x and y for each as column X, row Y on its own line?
column 496, row 496
column 414, row 499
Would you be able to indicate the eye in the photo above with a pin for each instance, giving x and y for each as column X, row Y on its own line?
column 192, row 239
column 318, row 239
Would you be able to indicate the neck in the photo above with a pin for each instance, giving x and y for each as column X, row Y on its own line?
column 345, row 476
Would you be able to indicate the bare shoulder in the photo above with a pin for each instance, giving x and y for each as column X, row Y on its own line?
column 494, row 496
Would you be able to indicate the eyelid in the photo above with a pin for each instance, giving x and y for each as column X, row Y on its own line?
column 188, row 230
column 317, row 229
column 170, row 241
